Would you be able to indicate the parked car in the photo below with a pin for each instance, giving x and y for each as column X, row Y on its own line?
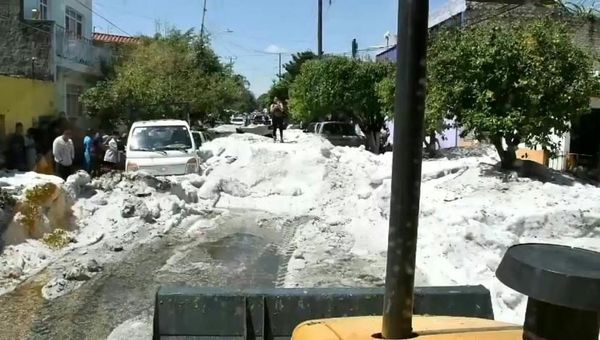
column 162, row 148
column 261, row 119
column 340, row 133
column 238, row 120
column 311, row 128
column 261, row 130
column 201, row 137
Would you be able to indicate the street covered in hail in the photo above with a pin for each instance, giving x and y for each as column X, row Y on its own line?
column 300, row 214
column 316, row 169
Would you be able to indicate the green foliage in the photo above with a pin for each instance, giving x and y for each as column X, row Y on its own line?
column 340, row 88
column 281, row 87
column 293, row 67
column 7, row 200
column 518, row 82
column 57, row 239
column 263, row 100
column 170, row 76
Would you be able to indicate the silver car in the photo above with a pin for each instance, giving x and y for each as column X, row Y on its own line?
column 340, row 133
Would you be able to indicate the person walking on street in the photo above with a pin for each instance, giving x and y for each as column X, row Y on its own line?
column 278, row 111
column 111, row 156
column 64, row 153
column 88, row 146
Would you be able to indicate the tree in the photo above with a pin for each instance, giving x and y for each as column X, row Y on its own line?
column 434, row 118
column 510, row 84
column 263, row 101
column 341, row 88
column 281, row 86
column 293, row 67
column 176, row 75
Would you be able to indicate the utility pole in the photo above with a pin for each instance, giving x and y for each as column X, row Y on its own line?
column 203, row 17
column 354, row 49
column 279, row 65
column 320, row 29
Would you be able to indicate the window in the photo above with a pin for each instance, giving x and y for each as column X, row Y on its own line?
column 153, row 138
column 74, row 22
column 339, row 129
column 74, row 106
column 197, row 139
column 43, row 10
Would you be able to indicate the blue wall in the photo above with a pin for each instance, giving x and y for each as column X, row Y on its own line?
column 387, row 55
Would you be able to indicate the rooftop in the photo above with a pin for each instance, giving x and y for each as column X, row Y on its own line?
column 113, row 38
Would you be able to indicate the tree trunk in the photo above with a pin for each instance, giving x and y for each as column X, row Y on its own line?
column 508, row 156
column 372, row 144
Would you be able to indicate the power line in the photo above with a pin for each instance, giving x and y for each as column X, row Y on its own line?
column 256, row 50
column 123, row 11
column 101, row 16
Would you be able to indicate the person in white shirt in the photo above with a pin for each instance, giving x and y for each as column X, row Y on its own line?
column 64, row 153
column 111, row 156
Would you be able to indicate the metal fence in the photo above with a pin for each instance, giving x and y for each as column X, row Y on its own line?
column 75, row 48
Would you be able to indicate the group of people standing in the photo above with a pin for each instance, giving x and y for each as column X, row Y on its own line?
column 28, row 152
column 95, row 150
column 21, row 153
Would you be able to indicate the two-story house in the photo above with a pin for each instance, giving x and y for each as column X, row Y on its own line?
column 50, row 41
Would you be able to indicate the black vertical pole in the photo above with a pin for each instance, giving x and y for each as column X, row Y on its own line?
column 203, row 17
column 406, row 168
column 320, row 29
column 279, row 65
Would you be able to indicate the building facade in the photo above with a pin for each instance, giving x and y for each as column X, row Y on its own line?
column 51, row 41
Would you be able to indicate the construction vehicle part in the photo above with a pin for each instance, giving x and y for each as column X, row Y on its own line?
column 563, row 286
column 215, row 313
column 426, row 327
column 405, row 195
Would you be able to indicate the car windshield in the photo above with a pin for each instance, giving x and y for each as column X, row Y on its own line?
column 338, row 129
column 160, row 138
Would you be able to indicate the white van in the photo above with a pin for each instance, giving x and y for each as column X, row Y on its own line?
column 162, row 148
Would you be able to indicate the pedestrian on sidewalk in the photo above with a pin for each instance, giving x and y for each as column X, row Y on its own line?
column 97, row 153
column 64, row 154
column 278, row 112
column 111, row 156
column 88, row 146
column 31, row 153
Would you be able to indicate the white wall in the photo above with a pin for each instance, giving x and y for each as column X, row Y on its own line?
column 87, row 14
column 63, row 78
column 57, row 9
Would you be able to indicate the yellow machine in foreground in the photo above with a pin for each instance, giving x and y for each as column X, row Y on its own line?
column 427, row 327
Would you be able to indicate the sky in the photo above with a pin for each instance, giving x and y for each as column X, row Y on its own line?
column 251, row 33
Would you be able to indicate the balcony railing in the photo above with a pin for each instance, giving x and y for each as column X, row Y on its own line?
column 76, row 48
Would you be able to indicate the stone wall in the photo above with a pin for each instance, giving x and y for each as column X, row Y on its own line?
column 21, row 41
